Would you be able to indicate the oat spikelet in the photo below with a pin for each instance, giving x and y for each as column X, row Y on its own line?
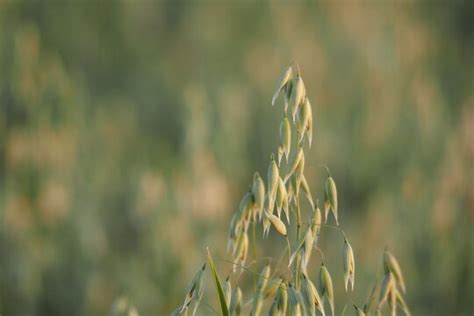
column 308, row 242
column 282, row 82
column 295, row 302
column 258, row 194
column 285, row 137
column 279, row 304
column 261, row 285
column 316, row 225
column 349, row 265
column 280, row 154
column 402, row 304
column 277, row 223
column 241, row 250
column 330, row 199
column 307, row 191
column 391, row 265
column 326, row 286
column 282, row 198
column 288, row 91
column 298, row 157
column 227, row 292
column 282, row 298
column 297, row 96
column 236, row 302
column 386, row 288
column 195, row 291
column 302, row 119
column 311, row 296
column 240, row 221
column 272, row 183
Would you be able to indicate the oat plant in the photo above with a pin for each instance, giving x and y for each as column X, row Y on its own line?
column 275, row 201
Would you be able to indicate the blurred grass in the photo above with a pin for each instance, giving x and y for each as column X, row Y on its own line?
column 128, row 131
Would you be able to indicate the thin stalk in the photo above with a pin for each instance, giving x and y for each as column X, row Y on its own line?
column 326, row 168
column 298, row 219
column 335, row 228
column 321, row 252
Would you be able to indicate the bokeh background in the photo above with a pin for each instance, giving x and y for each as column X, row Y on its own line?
column 130, row 129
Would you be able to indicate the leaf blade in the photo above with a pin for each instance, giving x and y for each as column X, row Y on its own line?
column 220, row 291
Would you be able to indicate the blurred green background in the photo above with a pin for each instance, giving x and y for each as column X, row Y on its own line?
column 130, row 129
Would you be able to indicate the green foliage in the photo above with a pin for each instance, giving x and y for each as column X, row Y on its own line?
column 220, row 291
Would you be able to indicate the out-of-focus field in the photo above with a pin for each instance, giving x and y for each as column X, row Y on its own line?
column 130, row 129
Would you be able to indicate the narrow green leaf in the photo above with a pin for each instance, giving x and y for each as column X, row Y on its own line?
column 220, row 291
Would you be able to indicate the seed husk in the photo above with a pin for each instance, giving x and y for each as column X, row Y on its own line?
column 302, row 119
column 227, row 292
column 386, row 288
column 297, row 275
column 308, row 296
column 281, row 197
column 239, row 221
column 272, row 183
column 307, row 191
column 299, row 172
column 326, row 286
column 330, row 199
column 274, row 308
column 316, row 225
column 349, row 265
column 282, row 81
column 299, row 155
column 277, row 223
column 401, row 302
column 280, row 302
column 295, row 302
column 285, row 136
column 297, row 96
column 307, row 249
column 238, row 244
column 391, row 265
column 195, row 291
column 295, row 187
column 236, row 302
column 258, row 193
column 266, row 226
column 261, row 285
column 311, row 296
column 280, row 154
column 242, row 250
column 270, row 290
column 392, row 301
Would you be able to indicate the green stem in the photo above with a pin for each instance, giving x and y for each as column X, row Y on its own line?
column 321, row 252
column 298, row 219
